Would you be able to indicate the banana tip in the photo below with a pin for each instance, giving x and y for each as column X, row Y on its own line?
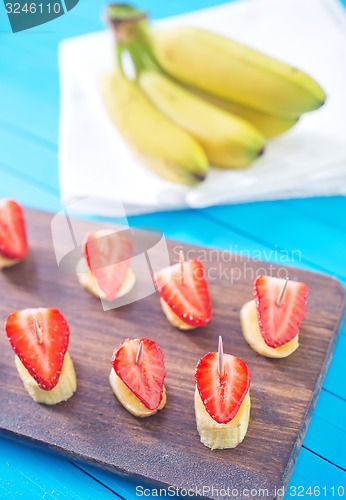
column 261, row 151
column 200, row 177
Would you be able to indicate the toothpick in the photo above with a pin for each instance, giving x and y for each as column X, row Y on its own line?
column 37, row 331
column 221, row 367
column 282, row 293
column 139, row 353
column 181, row 260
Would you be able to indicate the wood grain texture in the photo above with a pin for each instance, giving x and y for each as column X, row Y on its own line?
column 94, row 427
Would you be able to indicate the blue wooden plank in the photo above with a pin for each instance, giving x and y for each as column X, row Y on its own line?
column 34, row 162
column 315, row 472
column 335, row 381
column 34, row 108
column 326, row 434
column 123, row 485
column 192, row 227
column 13, row 186
column 32, row 474
column 277, row 224
column 330, row 210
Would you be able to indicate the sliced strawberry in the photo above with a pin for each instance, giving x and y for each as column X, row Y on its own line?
column 222, row 397
column 187, row 297
column 279, row 324
column 145, row 379
column 42, row 352
column 13, row 242
column 108, row 255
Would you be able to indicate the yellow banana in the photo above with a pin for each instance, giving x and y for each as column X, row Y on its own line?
column 63, row 390
column 268, row 124
column 129, row 400
column 234, row 72
column 253, row 336
column 161, row 144
column 221, row 436
column 174, row 318
column 229, row 141
column 88, row 281
column 4, row 262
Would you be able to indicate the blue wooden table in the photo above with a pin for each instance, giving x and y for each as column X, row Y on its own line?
column 29, row 112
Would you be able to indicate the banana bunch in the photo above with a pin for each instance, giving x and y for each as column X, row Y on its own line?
column 197, row 98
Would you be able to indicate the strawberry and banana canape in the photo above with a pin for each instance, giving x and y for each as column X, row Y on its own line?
column 222, row 400
column 104, row 269
column 13, row 241
column 137, row 376
column 271, row 321
column 40, row 338
column 184, row 294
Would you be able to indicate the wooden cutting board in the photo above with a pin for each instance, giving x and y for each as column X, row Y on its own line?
column 93, row 426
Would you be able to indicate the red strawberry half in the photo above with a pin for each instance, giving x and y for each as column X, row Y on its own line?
column 279, row 324
column 13, row 243
column 188, row 298
column 42, row 354
column 145, row 379
column 222, row 397
column 108, row 255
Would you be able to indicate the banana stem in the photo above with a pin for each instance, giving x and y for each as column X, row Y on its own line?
column 137, row 56
column 118, row 61
column 142, row 56
column 125, row 21
column 129, row 26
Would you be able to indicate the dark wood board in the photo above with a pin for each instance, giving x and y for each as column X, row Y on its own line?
column 93, row 427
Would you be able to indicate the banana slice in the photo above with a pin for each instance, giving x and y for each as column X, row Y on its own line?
column 221, row 436
column 87, row 280
column 4, row 262
column 129, row 400
column 173, row 318
column 64, row 389
column 253, row 336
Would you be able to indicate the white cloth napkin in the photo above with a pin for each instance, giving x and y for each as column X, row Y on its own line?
column 308, row 160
